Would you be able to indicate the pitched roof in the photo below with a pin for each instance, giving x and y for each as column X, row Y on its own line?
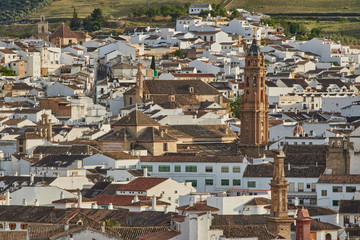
column 136, row 118
column 58, row 160
column 163, row 235
column 349, row 206
column 63, row 31
column 197, row 207
column 320, row 211
column 191, row 158
column 178, row 87
column 142, row 184
column 259, row 232
column 345, row 179
column 259, row 201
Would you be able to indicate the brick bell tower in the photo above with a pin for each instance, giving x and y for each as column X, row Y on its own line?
column 279, row 221
column 254, row 106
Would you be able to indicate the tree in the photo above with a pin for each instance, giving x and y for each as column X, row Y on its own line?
column 153, row 64
column 75, row 23
column 179, row 53
column 234, row 13
column 235, row 107
column 4, row 71
column 94, row 21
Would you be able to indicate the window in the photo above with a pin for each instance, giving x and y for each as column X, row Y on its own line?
column 21, row 149
column 193, row 182
column 291, row 187
column 165, row 147
column 346, row 219
column 190, row 168
column 236, row 169
column 335, row 203
column 308, row 185
column 351, row 189
column 224, row 182
column 208, row 169
column 300, row 187
column 323, row 193
column 313, row 187
column 164, row 168
column 177, row 168
column 251, row 184
column 149, row 167
column 337, row 189
column 224, row 169
column 130, row 101
column 209, row 182
column 236, row 182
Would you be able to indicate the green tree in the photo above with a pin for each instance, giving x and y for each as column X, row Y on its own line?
column 75, row 23
column 235, row 107
column 153, row 64
column 94, row 21
column 4, row 71
column 234, row 13
column 179, row 53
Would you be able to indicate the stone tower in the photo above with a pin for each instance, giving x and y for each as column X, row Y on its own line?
column 279, row 221
column 338, row 156
column 45, row 127
column 43, row 28
column 254, row 106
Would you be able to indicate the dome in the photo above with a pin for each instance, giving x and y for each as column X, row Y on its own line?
column 298, row 131
column 254, row 49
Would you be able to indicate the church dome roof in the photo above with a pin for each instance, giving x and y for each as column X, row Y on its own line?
column 254, row 49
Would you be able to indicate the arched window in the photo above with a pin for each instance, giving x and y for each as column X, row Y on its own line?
column 42, row 29
column 328, row 236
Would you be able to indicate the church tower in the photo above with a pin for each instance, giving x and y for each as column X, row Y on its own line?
column 279, row 221
column 254, row 105
column 43, row 28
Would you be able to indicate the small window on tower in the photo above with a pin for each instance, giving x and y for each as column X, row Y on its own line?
column 254, row 81
column 247, row 81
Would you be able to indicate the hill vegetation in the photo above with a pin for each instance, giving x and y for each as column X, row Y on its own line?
column 17, row 9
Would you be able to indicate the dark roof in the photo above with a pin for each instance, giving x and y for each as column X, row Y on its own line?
column 62, row 149
column 344, row 179
column 142, row 184
column 245, row 231
column 136, row 118
column 151, row 134
column 290, row 82
column 266, row 170
column 191, row 158
column 117, row 135
column 319, row 226
column 254, row 49
column 178, row 87
column 320, row 211
column 9, row 180
column 58, row 160
column 197, row 207
column 231, row 220
column 305, row 155
column 349, row 206
column 163, row 235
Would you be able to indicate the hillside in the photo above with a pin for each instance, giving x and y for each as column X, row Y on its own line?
column 117, row 8
column 17, row 9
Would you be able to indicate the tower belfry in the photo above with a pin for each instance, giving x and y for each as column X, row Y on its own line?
column 279, row 221
column 254, row 106
column 43, row 28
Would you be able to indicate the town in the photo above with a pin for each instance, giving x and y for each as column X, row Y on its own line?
column 216, row 129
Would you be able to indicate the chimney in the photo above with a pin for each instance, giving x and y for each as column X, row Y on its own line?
column 36, row 203
column 153, row 201
column 24, row 202
column 296, row 201
column 32, row 178
column 136, row 199
column 79, row 199
column 110, row 207
column 192, row 201
column 7, row 200
column 303, row 223
column 62, row 195
column 94, row 205
column 15, row 173
column 66, row 227
column 145, row 172
column 103, row 227
column 166, row 210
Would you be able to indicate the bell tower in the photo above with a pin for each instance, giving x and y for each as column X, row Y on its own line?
column 43, row 28
column 278, row 223
column 254, row 106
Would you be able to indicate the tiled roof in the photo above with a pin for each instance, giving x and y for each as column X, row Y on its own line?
column 163, row 235
column 245, row 231
column 151, row 134
column 136, row 118
column 119, row 155
column 266, row 170
column 319, row 226
column 197, row 207
column 305, row 155
column 58, row 160
column 320, row 211
column 258, row 201
column 231, row 220
column 344, row 179
column 13, row 235
column 117, row 200
column 178, row 87
column 63, row 31
column 349, row 206
column 191, row 158
column 142, row 184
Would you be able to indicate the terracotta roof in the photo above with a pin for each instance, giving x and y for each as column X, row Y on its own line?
column 142, row 184
column 193, row 75
column 151, row 134
column 245, row 231
column 119, row 155
column 117, row 200
column 320, row 211
column 344, row 179
column 319, row 226
column 178, row 87
column 63, row 31
column 13, row 235
column 133, row 233
column 197, row 207
column 258, row 202
column 13, row 121
column 163, row 235
column 136, row 118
